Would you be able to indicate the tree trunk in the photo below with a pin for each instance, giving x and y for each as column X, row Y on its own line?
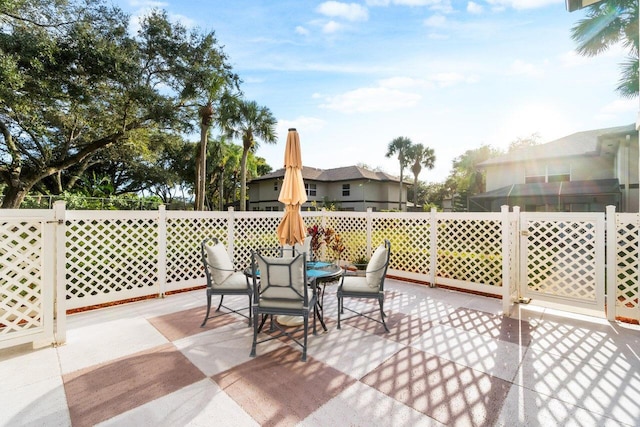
column 243, row 180
column 14, row 197
column 400, row 195
column 202, row 176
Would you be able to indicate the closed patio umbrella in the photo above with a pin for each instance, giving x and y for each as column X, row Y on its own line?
column 292, row 229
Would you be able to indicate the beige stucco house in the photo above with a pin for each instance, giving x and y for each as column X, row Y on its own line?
column 582, row 172
column 349, row 188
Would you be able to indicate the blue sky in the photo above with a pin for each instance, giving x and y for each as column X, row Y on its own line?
column 452, row 75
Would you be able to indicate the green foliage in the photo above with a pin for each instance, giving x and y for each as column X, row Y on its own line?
column 76, row 83
column 611, row 23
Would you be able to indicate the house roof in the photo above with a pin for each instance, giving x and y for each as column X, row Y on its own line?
column 580, row 143
column 346, row 173
column 566, row 188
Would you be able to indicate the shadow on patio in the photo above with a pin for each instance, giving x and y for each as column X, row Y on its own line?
column 450, row 359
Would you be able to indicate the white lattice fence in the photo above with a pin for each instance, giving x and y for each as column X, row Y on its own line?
column 409, row 235
column 352, row 230
column 252, row 230
column 26, row 277
column 562, row 259
column 185, row 232
column 627, row 264
column 110, row 256
column 469, row 249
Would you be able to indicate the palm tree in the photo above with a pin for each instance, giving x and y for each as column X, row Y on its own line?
column 400, row 146
column 608, row 23
column 421, row 156
column 248, row 121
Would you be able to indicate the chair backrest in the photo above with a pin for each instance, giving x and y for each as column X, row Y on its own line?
column 283, row 280
column 298, row 248
column 377, row 266
column 217, row 263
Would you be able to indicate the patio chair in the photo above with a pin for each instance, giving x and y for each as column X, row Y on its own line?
column 282, row 290
column 222, row 278
column 371, row 286
column 298, row 248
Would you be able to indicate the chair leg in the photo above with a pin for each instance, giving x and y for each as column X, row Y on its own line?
column 255, row 335
column 306, row 330
column 250, row 310
column 340, row 304
column 206, row 316
column 220, row 305
column 382, row 315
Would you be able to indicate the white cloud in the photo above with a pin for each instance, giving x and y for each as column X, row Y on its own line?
column 522, row 68
column 523, row 4
column 331, row 27
column 474, row 8
column 370, row 99
column 436, row 21
column 302, row 30
column 404, row 83
column 348, row 11
column 450, row 79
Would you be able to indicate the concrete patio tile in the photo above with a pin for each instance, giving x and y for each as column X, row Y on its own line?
column 41, row 403
column 42, row 365
column 103, row 391
column 277, row 389
column 524, row 407
column 594, row 340
column 492, row 325
column 361, row 404
column 223, row 348
column 98, row 343
column 199, row 404
column 480, row 352
column 485, row 304
column 611, row 390
column 429, row 309
column 451, row 393
column 352, row 350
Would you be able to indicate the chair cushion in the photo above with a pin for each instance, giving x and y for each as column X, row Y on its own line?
column 375, row 268
column 356, row 284
column 236, row 281
column 219, row 261
column 275, row 285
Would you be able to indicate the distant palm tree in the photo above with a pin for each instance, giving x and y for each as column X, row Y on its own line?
column 608, row 23
column 248, row 121
column 420, row 156
column 400, row 147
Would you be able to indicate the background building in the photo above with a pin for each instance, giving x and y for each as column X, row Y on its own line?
column 349, row 188
column 582, row 172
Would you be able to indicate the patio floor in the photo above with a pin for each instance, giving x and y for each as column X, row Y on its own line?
column 450, row 359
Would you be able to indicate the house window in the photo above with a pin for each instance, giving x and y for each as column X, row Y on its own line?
column 534, row 174
column 310, row 189
column 271, row 208
column 558, row 173
column 346, row 190
column 275, row 185
column 547, row 173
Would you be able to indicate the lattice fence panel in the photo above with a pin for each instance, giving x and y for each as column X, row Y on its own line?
column 184, row 236
column 21, row 280
column 561, row 258
column 470, row 250
column 627, row 263
column 352, row 233
column 110, row 257
column 514, row 255
column 252, row 233
column 410, row 239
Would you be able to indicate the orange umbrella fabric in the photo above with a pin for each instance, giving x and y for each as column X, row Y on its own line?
column 292, row 229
